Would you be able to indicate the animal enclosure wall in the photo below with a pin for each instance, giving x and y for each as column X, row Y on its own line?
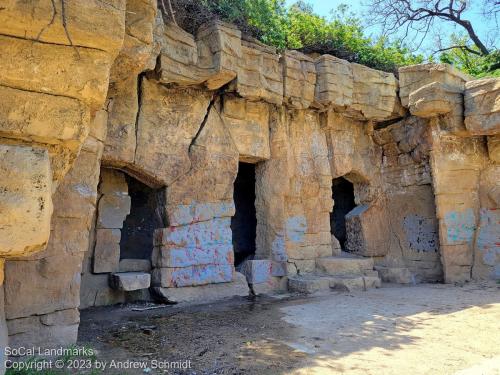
column 145, row 100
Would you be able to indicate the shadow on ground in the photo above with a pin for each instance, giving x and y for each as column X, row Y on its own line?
column 388, row 329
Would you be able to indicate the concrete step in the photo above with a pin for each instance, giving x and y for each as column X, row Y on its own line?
column 344, row 265
column 311, row 283
column 129, row 281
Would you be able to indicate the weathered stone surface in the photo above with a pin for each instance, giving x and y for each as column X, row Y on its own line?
column 90, row 23
column 206, row 242
column 219, row 49
column 210, row 59
column 212, row 150
column 336, row 249
column 54, row 330
column 257, row 270
column 129, row 281
column 207, row 293
column 260, row 75
column 494, row 148
column 112, row 211
column 248, row 124
column 482, row 106
column 56, row 280
column 193, row 275
column 374, row 93
column 299, row 79
column 168, row 121
column 107, row 250
column 308, row 284
column 413, row 77
column 25, row 199
column 395, row 275
column 120, row 145
column 343, row 265
column 43, row 118
column 135, row 265
column 334, row 82
column 367, row 230
column 77, row 72
column 435, row 99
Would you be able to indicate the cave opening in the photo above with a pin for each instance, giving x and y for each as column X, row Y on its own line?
column 343, row 197
column 244, row 222
column 145, row 216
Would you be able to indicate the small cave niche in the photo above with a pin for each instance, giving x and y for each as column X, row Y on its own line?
column 343, row 196
column 145, row 216
column 244, row 222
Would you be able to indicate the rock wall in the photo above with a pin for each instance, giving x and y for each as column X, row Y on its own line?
column 131, row 94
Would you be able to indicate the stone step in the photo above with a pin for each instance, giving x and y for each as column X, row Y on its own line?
column 129, row 281
column 344, row 265
column 311, row 283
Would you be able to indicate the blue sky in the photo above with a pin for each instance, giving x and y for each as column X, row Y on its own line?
column 485, row 29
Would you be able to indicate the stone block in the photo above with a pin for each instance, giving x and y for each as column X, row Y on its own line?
column 184, row 214
column 375, row 93
column 248, row 124
column 30, row 66
column 482, row 106
column 43, row 118
column 219, row 46
column 54, row 285
column 278, row 269
column 129, row 281
column 210, row 59
column 413, row 77
column 91, row 23
column 162, row 150
column 112, row 211
column 25, row 200
column 257, row 270
column 120, row 144
column 308, row 284
column 494, row 148
column 54, row 330
column 398, row 275
column 334, row 82
column 113, row 182
column 206, row 253
column 193, row 275
column 343, row 265
column 259, row 74
column 435, row 99
column 107, row 250
column 299, row 79
column 205, row 293
column 134, row 265
column 367, row 230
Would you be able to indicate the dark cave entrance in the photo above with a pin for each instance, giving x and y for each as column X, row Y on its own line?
column 145, row 216
column 244, row 221
column 343, row 196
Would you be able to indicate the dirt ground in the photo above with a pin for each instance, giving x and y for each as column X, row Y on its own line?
column 424, row 329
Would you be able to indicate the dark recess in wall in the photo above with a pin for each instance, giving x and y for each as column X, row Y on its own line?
column 343, row 196
column 138, row 228
column 244, row 222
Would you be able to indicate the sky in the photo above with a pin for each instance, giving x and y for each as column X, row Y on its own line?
column 485, row 29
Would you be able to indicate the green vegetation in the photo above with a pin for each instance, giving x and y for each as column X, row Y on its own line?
column 342, row 35
column 298, row 27
column 469, row 60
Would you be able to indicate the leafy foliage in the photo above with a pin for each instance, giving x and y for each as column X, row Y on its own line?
column 298, row 27
column 469, row 62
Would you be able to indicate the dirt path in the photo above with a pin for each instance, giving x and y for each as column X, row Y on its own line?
column 427, row 329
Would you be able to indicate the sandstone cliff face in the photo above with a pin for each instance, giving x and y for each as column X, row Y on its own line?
column 130, row 95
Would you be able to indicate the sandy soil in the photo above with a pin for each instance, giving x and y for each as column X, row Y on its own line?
column 425, row 329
